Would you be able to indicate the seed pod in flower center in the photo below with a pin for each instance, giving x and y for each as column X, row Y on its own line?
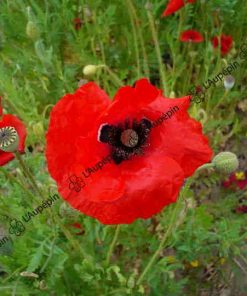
column 129, row 138
column 9, row 139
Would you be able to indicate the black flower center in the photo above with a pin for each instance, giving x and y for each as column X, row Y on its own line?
column 126, row 139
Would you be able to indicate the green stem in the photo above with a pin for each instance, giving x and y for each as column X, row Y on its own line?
column 180, row 23
column 205, row 166
column 135, row 37
column 158, row 53
column 109, row 254
column 166, row 235
column 140, row 36
column 28, row 174
column 14, row 180
column 53, row 216
column 69, row 236
column 49, row 256
column 114, row 76
column 220, row 101
column 105, row 81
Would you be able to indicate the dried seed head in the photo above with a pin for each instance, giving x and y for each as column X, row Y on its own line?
column 129, row 138
column 9, row 139
column 229, row 82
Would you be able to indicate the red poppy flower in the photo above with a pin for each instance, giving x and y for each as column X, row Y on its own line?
column 8, row 124
column 224, row 41
column 77, row 23
column 236, row 180
column 149, row 159
column 175, row 5
column 191, row 36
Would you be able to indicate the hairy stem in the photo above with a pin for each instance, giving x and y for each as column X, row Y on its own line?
column 27, row 173
column 113, row 243
column 166, row 234
column 158, row 53
column 135, row 38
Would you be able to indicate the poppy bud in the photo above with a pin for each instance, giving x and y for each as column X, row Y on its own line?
column 38, row 129
column 9, row 139
column 229, row 82
column 32, row 30
column 89, row 70
column 225, row 162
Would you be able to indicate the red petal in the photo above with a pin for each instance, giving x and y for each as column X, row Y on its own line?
column 141, row 190
column 13, row 121
column 175, row 5
column 215, row 42
column 181, row 139
column 129, row 102
column 71, row 123
column 5, row 157
column 241, row 184
column 225, row 43
column 191, row 36
column 139, row 187
column 186, row 144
